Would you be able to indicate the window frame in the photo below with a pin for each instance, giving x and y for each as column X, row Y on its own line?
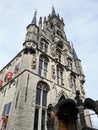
column 41, row 107
column 43, row 67
column 59, row 75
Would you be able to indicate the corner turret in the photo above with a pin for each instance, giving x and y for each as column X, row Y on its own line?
column 31, row 39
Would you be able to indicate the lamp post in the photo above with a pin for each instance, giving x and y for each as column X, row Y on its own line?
column 80, row 106
column 87, row 104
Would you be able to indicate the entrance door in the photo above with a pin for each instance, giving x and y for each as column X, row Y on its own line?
column 62, row 125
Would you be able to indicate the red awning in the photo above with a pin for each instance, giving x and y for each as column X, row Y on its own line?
column 8, row 76
column 1, row 82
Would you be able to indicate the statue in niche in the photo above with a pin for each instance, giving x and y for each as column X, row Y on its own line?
column 50, row 112
column 53, row 95
column 33, row 65
column 53, row 50
column 50, row 117
column 53, row 71
column 70, row 81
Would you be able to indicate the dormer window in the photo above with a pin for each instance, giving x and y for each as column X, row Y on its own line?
column 43, row 46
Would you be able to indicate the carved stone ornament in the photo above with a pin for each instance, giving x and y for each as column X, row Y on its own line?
column 82, row 79
column 33, row 46
column 30, row 45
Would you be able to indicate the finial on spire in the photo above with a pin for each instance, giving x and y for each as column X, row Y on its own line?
column 35, row 13
column 34, row 18
column 53, row 11
column 72, row 44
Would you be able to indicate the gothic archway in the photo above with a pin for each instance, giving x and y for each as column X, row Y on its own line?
column 66, row 114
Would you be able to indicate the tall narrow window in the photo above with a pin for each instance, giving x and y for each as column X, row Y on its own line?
column 41, row 105
column 59, row 75
column 36, row 119
column 42, row 71
column 70, row 63
column 43, row 120
column 43, row 45
column 45, row 48
column 59, row 50
column 5, row 115
column 6, row 109
column 59, row 55
column 72, row 81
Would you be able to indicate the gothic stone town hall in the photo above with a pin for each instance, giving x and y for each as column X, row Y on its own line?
column 37, row 86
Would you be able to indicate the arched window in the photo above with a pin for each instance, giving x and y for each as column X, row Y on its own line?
column 43, row 66
column 41, row 106
column 59, row 75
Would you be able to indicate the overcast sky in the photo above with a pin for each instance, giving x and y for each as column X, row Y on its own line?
column 81, row 27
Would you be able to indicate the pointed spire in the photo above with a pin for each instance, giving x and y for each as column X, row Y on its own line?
column 53, row 11
column 74, row 52
column 40, row 21
column 75, row 55
column 34, row 18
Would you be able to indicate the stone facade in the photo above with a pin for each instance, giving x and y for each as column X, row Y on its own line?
column 47, row 60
